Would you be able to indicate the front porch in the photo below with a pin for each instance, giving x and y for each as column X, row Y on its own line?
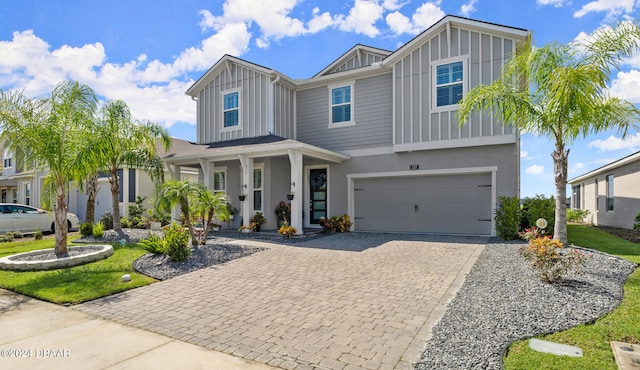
column 258, row 173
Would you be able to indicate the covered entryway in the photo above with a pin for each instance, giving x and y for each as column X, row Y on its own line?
column 427, row 203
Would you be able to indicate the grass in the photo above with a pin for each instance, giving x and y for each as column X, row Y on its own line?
column 594, row 338
column 76, row 284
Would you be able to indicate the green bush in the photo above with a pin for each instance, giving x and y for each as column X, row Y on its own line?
column 177, row 240
column 538, row 207
column 577, row 215
column 18, row 234
column 37, row 235
column 339, row 224
column 153, row 244
column 137, row 210
column 124, row 223
column 7, row 237
column 507, row 217
column 86, row 229
column 98, row 230
column 107, row 220
column 636, row 225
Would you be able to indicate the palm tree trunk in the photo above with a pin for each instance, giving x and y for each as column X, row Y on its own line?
column 115, row 201
column 92, row 192
column 184, row 205
column 560, row 161
column 60, row 219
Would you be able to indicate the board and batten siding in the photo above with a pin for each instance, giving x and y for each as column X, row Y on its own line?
column 358, row 60
column 372, row 113
column 254, row 95
column 416, row 121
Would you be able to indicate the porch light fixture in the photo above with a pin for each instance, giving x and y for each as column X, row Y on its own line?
column 290, row 196
column 293, row 183
column 241, row 197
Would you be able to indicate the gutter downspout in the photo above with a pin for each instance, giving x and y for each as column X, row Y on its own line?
column 272, row 108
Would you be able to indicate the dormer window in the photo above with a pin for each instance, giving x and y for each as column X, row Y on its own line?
column 231, row 109
column 341, row 98
column 449, row 83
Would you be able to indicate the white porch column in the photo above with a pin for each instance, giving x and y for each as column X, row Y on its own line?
column 246, row 188
column 296, row 188
column 174, row 171
column 207, row 171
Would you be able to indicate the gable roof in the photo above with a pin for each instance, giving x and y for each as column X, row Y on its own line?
column 349, row 54
column 607, row 167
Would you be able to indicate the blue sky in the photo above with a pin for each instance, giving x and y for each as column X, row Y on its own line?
column 148, row 52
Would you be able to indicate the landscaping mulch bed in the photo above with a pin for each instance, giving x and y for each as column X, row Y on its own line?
column 630, row 235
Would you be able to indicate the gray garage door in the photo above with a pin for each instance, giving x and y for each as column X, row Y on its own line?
column 451, row 204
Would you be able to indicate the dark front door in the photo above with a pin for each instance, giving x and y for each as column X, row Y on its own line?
column 317, row 194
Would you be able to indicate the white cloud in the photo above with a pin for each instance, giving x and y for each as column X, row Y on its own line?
column 468, row 8
column 535, row 170
column 394, row 4
column 319, row 21
column 626, row 86
column 362, row 18
column 524, row 155
column 612, row 7
column 425, row 16
column 554, row 3
column 615, row 143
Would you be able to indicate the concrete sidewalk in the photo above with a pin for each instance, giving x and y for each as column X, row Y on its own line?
column 39, row 335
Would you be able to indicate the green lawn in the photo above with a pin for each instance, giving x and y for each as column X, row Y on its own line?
column 622, row 324
column 75, row 284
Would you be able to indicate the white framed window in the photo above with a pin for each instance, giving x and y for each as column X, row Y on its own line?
column 231, row 117
column 610, row 194
column 8, row 159
column 258, row 181
column 220, row 181
column 341, row 105
column 450, row 83
column 27, row 193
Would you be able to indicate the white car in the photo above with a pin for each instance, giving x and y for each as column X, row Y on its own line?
column 27, row 219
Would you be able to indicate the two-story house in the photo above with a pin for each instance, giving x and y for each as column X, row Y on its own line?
column 374, row 135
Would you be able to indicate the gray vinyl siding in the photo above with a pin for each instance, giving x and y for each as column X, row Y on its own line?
column 416, row 120
column 284, row 102
column 254, row 87
column 358, row 60
column 372, row 113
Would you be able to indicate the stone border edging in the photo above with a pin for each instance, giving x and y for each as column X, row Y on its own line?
column 9, row 262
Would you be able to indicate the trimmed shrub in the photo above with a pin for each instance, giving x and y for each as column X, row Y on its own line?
column 577, row 215
column 287, row 230
column 636, row 225
column 538, row 207
column 124, row 223
column 98, row 230
column 7, row 237
column 153, row 244
column 37, row 235
column 339, row 224
column 86, row 229
column 507, row 217
column 177, row 240
column 107, row 221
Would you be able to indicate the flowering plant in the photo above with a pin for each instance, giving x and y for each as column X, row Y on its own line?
column 287, row 230
column 283, row 211
column 531, row 233
column 551, row 260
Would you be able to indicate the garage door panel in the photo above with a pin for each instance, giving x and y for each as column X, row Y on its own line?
column 457, row 204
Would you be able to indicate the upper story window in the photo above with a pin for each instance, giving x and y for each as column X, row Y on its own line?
column 450, row 85
column 231, row 109
column 610, row 193
column 341, row 98
column 8, row 159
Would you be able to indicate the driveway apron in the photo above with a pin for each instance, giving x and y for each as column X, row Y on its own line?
column 353, row 300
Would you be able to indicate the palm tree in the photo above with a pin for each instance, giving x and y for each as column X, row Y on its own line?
column 178, row 193
column 560, row 91
column 208, row 205
column 48, row 134
column 121, row 141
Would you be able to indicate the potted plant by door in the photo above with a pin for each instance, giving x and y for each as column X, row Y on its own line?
column 258, row 219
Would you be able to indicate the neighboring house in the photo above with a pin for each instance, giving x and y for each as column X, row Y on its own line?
column 610, row 193
column 24, row 186
column 374, row 135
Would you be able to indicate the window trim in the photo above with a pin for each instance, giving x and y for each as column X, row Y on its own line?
column 223, row 111
column 610, row 206
column 258, row 166
column 352, row 122
column 224, row 172
column 434, row 85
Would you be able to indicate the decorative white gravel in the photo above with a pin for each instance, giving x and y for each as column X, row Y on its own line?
column 503, row 300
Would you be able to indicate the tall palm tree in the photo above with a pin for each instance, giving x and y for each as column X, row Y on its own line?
column 48, row 134
column 560, row 91
column 121, row 141
column 178, row 193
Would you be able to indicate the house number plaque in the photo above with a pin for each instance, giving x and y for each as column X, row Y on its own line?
column 414, row 167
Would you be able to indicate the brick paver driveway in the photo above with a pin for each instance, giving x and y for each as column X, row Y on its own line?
column 344, row 301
